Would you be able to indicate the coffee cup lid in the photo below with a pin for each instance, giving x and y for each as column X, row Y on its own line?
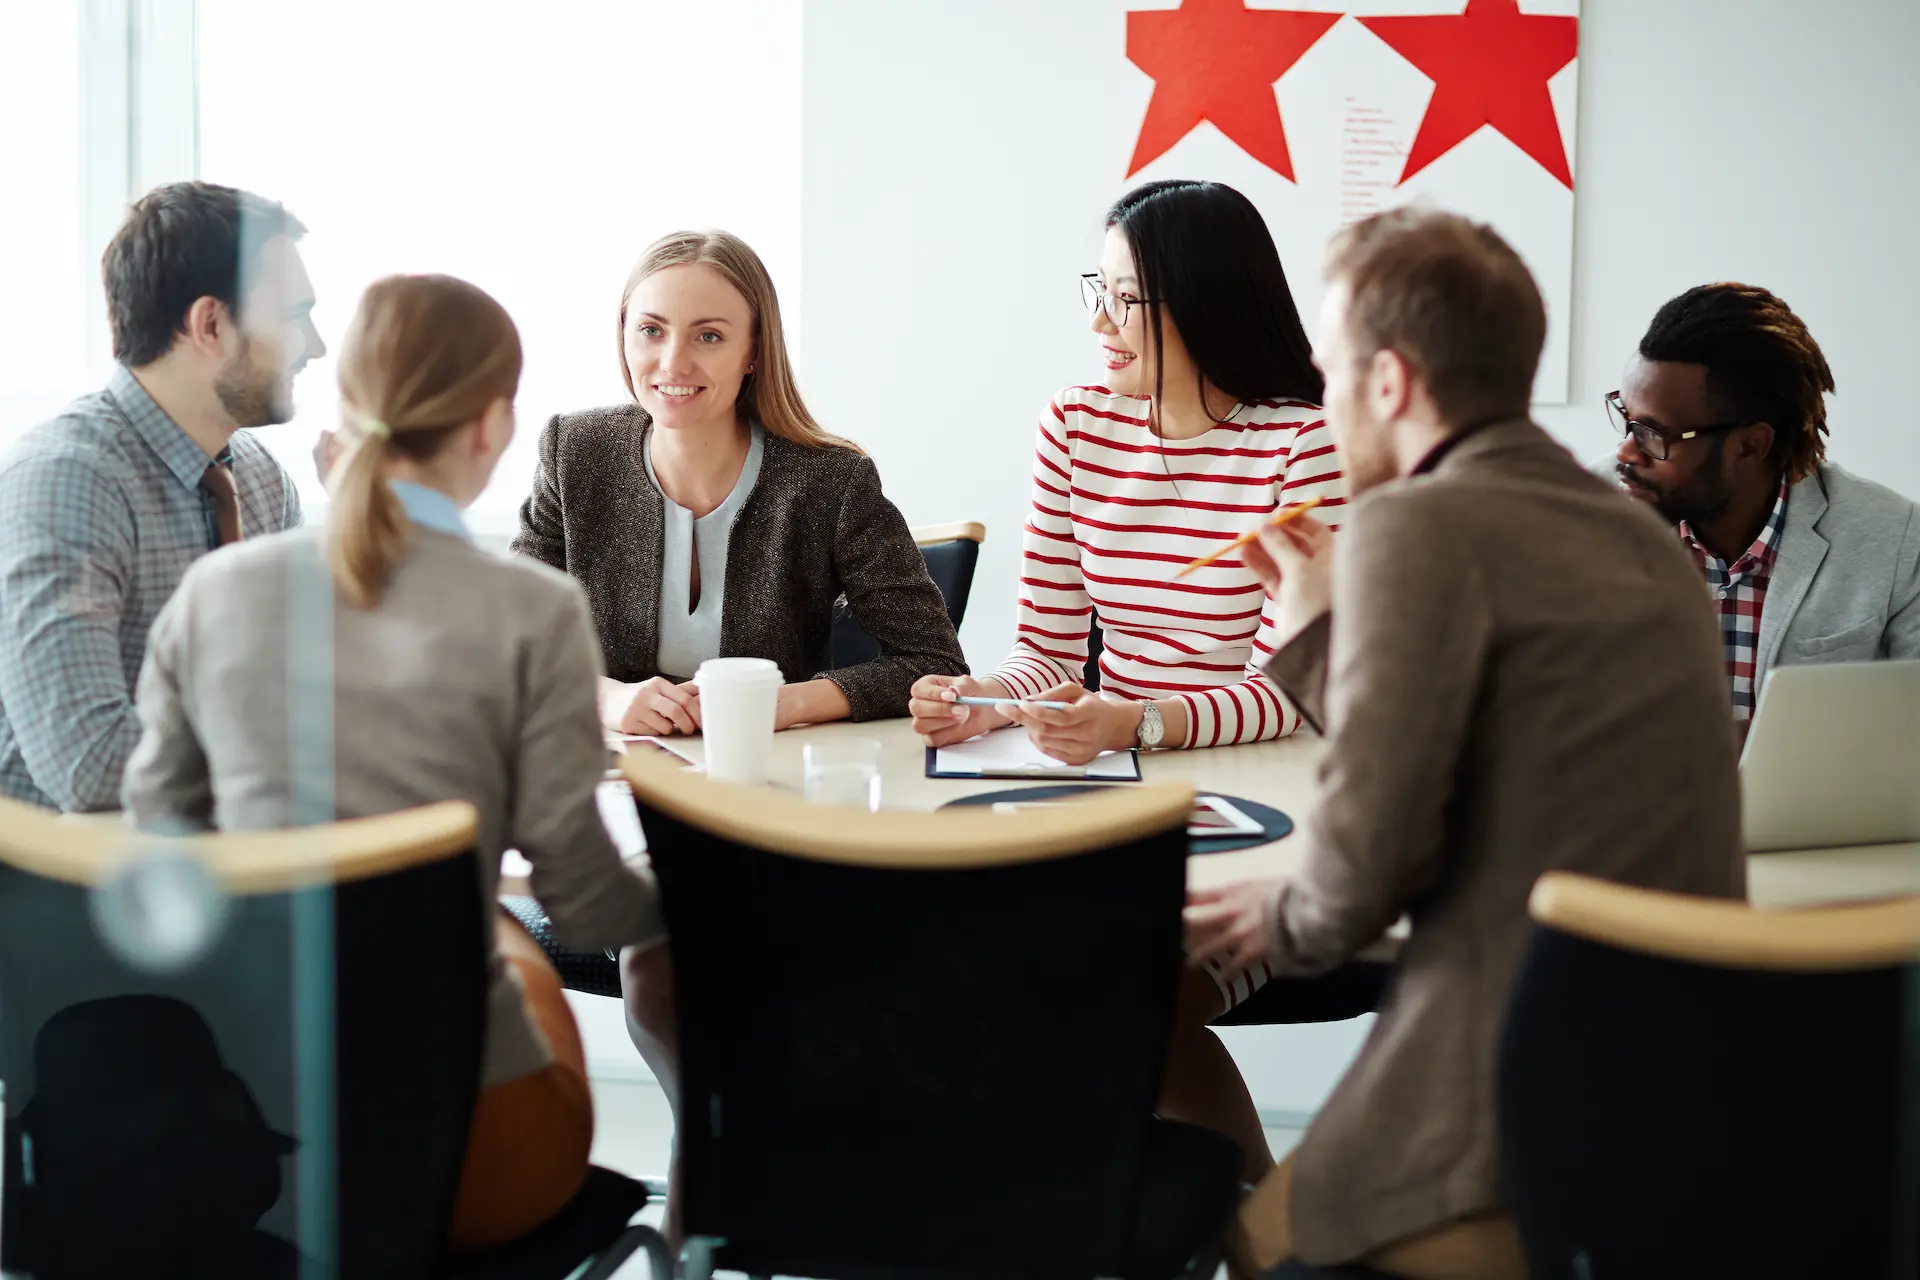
column 739, row 671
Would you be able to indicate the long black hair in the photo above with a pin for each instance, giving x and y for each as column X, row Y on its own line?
column 1203, row 253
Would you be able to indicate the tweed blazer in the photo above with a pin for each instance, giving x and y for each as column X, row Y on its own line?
column 816, row 528
column 1519, row 674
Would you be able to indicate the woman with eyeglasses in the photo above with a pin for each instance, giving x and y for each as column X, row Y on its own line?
column 1207, row 423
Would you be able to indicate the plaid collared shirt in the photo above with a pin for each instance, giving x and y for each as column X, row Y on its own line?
column 1740, row 590
column 101, row 512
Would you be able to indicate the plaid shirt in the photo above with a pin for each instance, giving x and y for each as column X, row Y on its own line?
column 101, row 512
column 1740, row 590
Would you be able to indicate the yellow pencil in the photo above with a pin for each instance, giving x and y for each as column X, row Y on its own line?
column 1274, row 521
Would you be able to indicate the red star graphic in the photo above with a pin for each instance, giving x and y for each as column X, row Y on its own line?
column 1217, row 60
column 1489, row 66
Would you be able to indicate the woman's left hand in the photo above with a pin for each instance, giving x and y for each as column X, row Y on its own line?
column 1094, row 723
column 1233, row 924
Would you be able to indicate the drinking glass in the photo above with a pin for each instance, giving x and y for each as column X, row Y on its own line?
column 844, row 771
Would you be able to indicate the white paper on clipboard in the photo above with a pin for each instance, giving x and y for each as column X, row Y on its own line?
column 1010, row 753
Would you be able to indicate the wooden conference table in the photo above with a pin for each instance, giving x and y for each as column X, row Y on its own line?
column 1280, row 774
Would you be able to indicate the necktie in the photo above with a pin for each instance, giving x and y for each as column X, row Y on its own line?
column 218, row 482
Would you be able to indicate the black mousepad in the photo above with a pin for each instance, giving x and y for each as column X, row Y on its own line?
column 1273, row 823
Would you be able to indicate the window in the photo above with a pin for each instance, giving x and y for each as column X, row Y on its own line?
column 534, row 150
column 43, row 327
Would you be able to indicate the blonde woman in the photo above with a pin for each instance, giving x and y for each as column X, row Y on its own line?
column 456, row 674
column 714, row 517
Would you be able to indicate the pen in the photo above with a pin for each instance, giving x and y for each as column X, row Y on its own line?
column 1013, row 702
column 1274, row 522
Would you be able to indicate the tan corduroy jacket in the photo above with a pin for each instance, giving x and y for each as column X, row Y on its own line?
column 1520, row 673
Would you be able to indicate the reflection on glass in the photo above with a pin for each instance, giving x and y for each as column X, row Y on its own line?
column 160, row 912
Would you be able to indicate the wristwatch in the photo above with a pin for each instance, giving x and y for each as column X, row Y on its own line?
column 1152, row 727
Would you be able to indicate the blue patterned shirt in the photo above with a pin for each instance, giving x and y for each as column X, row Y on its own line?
column 101, row 512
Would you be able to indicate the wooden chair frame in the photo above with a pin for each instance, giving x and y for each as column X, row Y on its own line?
column 971, row 837
column 87, row 853
column 927, row 535
column 1732, row 935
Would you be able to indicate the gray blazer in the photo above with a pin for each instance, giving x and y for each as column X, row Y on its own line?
column 815, row 528
column 1846, row 583
column 472, row 680
column 1520, row 674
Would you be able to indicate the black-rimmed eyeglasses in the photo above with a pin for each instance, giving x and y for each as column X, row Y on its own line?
column 1654, row 441
column 1094, row 294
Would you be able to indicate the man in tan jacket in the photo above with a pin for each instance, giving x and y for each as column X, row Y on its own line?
column 1514, row 672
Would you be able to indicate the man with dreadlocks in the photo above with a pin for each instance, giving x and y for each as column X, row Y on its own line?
column 1724, row 420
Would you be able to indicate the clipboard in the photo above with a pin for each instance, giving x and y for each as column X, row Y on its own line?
column 999, row 755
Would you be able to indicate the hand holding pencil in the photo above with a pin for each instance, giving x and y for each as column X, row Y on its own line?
column 1293, row 560
column 1280, row 518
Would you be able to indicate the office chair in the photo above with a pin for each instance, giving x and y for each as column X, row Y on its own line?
column 951, row 551
column 930, row 1044
column 1693, row 1087
column 299, row 1085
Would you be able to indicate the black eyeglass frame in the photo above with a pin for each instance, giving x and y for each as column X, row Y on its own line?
column 1094, row 296
column 1648, row 436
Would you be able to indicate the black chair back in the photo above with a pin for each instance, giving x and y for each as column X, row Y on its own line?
column 939, row 1070
column 950, row 563
column 1661, row 1118
column 1096, row 645
column 301, row 1087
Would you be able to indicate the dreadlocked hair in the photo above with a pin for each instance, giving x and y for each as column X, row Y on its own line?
column 1760, row 361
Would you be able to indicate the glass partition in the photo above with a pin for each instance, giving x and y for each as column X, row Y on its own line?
column 532, row 150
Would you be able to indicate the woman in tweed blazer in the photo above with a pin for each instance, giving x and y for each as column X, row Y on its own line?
column 715, row 518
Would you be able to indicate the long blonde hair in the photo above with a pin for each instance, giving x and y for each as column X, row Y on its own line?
column 769, row 395
column 424, row 356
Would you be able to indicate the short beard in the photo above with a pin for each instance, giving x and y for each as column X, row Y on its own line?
column 250, row 397
column 1367, row 458
column 1701, row 499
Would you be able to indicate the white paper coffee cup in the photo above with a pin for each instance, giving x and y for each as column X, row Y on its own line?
column 738, row 701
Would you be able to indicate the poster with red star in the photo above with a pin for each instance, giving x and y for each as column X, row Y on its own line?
column 1325, row 112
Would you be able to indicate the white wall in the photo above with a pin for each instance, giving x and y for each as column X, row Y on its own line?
column 532, row 149
column 1769, row 141
column 957, row 158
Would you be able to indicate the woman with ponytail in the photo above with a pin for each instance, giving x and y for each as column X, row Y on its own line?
column 455, row 675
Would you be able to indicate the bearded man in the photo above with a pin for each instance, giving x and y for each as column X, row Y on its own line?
column 104, row 507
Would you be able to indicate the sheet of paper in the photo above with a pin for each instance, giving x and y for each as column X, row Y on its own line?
column 621, row 819
column 1010, row 750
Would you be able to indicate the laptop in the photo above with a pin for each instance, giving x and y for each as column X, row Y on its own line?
column 1833, row 757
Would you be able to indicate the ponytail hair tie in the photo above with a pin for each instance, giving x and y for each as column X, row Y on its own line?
column 375, row 427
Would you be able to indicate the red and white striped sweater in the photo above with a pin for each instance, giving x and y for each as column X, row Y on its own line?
column 1117, row 511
